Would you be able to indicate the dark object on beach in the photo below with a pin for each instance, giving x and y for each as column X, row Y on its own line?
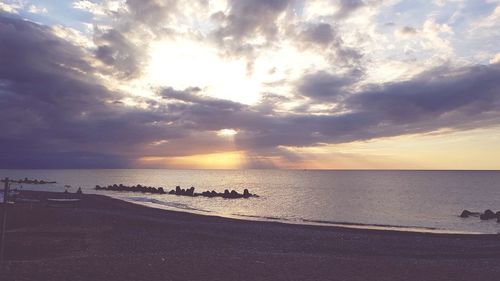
column 488, row 214
column 79, row 191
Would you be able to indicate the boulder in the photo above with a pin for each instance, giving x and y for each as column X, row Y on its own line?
column 465, row 214
column 488, row 214
column 234, row 194
column 246, row 193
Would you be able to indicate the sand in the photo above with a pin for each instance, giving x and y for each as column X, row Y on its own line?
column 108, row 239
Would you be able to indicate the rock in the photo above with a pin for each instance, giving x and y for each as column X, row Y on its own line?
column 177, row 190
column 488, row 214
column 465, row 214
column 234, row 194
column 79, row 191
column 246, row 193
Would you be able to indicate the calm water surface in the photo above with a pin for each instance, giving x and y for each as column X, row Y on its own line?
column 425, row 200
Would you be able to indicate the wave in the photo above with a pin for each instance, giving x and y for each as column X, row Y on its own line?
column 262, row 217
column 302, row 221
column 150, row 202
column 165, row 203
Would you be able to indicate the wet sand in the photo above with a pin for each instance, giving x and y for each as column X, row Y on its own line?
column 108, row 239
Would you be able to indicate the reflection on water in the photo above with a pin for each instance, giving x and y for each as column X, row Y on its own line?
column 422, row 199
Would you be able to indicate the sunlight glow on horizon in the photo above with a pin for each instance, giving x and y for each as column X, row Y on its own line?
column 223, row 160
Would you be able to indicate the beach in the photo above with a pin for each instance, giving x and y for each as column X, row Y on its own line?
column 108, row 239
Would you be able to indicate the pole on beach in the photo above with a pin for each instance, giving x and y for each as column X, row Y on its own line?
column 4, row 219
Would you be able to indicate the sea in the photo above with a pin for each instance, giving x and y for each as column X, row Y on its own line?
column 404, row 200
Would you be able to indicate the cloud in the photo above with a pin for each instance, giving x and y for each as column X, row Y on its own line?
column 436, row 99
column 250, row 18
column 248, row 26
column 495, row 59
column 123, row 46
column 406, row 31
column 12, row 8
column 55, row 110
column 124, row 58
column 326, row 86
column 326, row 40
column 61, row 106
column 322, row 34
column 37, row 9
column 347, row 7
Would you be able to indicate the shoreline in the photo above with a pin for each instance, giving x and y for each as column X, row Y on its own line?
column 348, row 225
column 148, row 203
column 305, row 222
column 110, row 239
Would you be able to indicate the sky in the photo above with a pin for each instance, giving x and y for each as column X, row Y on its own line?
column 237, row 84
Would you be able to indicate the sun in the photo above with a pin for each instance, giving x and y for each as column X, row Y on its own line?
column 185, row 63
column 227, row 132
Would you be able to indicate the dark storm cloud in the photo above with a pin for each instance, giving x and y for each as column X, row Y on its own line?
column 53, row 108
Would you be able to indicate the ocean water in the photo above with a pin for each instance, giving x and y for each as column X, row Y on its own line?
column 405, row 200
